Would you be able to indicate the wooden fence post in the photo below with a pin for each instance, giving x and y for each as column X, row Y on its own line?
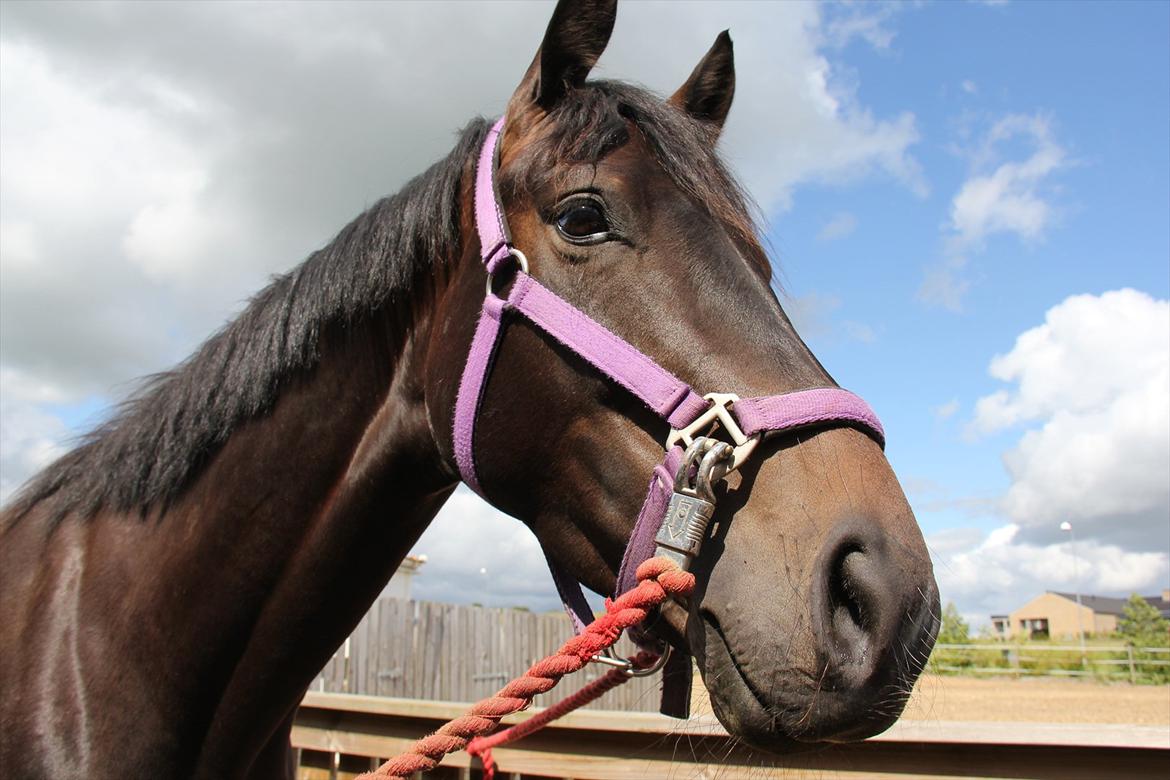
column 1132, row 667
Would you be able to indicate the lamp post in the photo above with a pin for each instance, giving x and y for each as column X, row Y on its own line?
column 1072, row 541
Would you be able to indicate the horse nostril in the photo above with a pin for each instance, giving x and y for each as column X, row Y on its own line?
column 850, row 602
column 856, row 601
column 846, row 599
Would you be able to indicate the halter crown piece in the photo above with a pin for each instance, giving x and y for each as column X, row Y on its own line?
column 682, row 483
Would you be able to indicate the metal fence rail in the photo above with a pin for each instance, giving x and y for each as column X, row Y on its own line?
column 353, row 732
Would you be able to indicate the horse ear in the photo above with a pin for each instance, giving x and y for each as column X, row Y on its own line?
column 707, row 94
column 575, row 38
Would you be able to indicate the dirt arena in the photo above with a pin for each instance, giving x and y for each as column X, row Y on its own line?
column 1030, row 700
column 1038, row 700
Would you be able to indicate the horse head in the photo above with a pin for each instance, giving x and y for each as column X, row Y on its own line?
column 816, row 605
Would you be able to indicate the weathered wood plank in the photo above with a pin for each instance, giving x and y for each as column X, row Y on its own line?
column 633, row 746
column 459, row 653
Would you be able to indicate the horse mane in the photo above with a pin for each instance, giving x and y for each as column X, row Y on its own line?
column 158, row 440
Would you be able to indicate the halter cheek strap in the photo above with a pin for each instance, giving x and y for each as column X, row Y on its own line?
column 663, row 393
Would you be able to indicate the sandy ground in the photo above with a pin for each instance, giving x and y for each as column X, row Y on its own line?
column 1028, row 700
column 1038, row 700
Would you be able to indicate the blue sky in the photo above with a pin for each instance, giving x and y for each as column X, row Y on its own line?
column 968, row 202
column 1098, row 76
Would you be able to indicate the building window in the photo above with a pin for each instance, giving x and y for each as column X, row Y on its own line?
column 1035, row 628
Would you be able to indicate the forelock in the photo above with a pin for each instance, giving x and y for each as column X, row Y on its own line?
column 597, row 118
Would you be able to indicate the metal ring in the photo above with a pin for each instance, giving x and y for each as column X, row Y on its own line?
column 609, row 657
column 654, row 668
column 521, row 259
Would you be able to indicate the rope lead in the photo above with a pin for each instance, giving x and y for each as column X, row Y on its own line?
column 659, row 579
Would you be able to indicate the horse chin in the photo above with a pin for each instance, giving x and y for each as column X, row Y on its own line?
column 787, row 710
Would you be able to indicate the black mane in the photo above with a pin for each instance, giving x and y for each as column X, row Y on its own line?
column 160, row 438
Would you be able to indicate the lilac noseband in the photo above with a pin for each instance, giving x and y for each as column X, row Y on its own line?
column 745, row 420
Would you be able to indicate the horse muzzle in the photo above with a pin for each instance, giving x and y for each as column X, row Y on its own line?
column 833, row 662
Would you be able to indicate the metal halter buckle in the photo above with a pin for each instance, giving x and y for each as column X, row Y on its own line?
column 718, row 415
column 521, row 259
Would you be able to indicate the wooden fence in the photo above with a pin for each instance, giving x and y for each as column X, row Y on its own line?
column 449, row 652
column 1120, row 662
column 336, row 736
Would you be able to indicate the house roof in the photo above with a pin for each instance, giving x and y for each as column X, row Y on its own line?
column 1110, row 605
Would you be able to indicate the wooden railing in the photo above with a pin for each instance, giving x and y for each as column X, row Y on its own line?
column 338, row 734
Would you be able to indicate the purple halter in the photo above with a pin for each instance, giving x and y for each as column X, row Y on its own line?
column 747, row 419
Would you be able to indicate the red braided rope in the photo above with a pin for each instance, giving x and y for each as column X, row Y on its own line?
column 482, row 746
column 658, row 580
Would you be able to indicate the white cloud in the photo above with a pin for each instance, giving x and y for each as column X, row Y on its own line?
column 1009, row 198
column 812, row 314
column 946, row 411
column 797, row 118
column 1096, row 378
column 945, row 284
column 869, row 22
column 999, row 196
column 858, row 331
column 149, row 181
column 478, row 554
column 30, row 436
column 969, row 86
column 995, row 572
column 150, row 185
column 839, row 226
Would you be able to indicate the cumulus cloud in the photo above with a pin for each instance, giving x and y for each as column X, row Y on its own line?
column 840, row 226
column 30, row 436
column 946, row 411
column 945, row 284
column 992, row 573
column 814, row 316
column 159, row 161
column 1010, row 197
column 476, row 553
column 870, row 22
column 796, row 118
column 1000, row 195
column 1095, row 380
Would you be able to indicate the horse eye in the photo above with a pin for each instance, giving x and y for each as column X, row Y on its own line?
column 582, row 220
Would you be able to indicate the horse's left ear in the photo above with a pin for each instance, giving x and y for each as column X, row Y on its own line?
column 576, row 36
column 707, row 94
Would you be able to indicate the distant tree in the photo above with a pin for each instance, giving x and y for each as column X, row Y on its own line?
column 954, row 630
column 1142, row 625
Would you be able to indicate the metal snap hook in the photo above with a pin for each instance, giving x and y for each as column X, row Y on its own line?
column 609, row 657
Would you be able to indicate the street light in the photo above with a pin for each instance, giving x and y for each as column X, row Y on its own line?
column 1072, row 541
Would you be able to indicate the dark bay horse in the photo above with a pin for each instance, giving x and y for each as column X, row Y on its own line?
column 170, row 587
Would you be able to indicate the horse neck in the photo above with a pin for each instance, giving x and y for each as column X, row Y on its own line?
column 314, row 510
column 214, row 615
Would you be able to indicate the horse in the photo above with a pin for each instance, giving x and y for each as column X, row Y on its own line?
column 171, row 586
